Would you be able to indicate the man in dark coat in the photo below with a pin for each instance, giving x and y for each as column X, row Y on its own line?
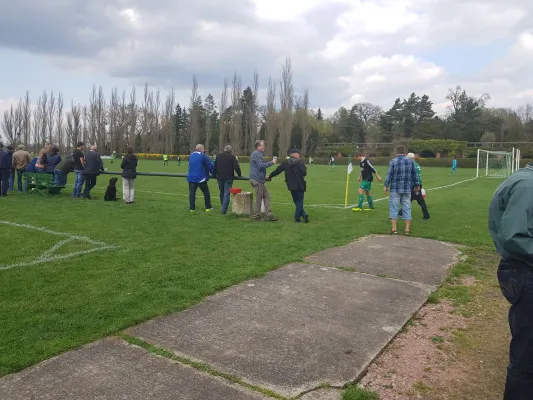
column 226, row 166
column 6, row 163
column 93, row 166
column 295, row 171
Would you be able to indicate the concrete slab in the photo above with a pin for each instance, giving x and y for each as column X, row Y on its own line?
column 412, row 259
column 298, row 327
column 323, row 394
column 112, row 369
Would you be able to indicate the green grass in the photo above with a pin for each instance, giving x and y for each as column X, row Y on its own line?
column 167, row 260
column 357, row 393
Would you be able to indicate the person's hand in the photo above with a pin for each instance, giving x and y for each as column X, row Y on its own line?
column 379, row 178
column 386, row 190
column 268, row 178
column 359, row 179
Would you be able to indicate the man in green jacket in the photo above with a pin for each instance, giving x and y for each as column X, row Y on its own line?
column 511, row 228
column 417, row 195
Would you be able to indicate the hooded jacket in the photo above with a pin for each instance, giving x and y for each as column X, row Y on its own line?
column 295, row 171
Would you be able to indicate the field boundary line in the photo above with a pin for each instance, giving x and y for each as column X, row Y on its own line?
column 47, row 255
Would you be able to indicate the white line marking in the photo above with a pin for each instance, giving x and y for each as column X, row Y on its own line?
column 47, row 255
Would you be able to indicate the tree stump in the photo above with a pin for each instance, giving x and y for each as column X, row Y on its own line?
column 242, row 203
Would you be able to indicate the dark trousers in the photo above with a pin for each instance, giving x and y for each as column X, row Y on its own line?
column 421, row 202
column 20, row 174
column 193, row 186
column 4, row 181
column 224, row 185
column 298, row 198
column 90, row 182
column 517, row 287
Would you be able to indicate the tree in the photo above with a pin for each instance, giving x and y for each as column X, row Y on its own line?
column 319, row 115
column 465, row 114
column 194, row 111
column 271, row 118
column 210, row 115
column 286, row 97
column 236, row 115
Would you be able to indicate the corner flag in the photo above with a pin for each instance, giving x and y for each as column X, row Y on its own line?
column 350, row 169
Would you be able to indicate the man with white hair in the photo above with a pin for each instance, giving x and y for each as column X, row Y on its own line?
column 226, row 166
column 200, row 166
column 93, row 166
column 417, row 194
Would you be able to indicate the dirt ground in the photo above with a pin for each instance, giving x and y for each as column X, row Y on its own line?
column 449, row 352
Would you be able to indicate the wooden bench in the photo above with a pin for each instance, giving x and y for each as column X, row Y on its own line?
column 41, row 182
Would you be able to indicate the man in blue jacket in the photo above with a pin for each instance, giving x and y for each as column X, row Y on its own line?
column 511, row 229
column 200, row 166
column 258, row 169
column 6, row 163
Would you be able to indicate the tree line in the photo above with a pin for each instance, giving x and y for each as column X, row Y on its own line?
column 153, row 124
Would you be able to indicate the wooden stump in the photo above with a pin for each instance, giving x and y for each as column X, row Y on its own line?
column 242, row 203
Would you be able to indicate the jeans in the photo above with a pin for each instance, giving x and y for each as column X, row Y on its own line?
column 4, row 181
column 78, row 183
column 60, row 178
column 127, row 190
column 20, row 174
column 11, row 180
column 193, row 186
column 261, row 195
column 90, row 182
column 517, row 287
column 395, row 200
column 298, row 198
column 224, row 185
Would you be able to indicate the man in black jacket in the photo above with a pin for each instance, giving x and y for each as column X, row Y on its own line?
column 93, row 166
column 295, row 171
column 226, row 165
column 6, row 163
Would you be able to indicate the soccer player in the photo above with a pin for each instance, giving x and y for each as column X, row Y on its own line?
column 178, row 159
column 165, row 159
column 331, row 163
column 311, row 161
column 367, row 176
column 454, row 165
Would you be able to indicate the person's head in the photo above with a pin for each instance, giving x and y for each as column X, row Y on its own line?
column 48, row 147
column 454, row 157
column 200, row 148
column 80, row 145
column 411, row 156
column 9, row 147
column 54, row 150
column 93, row 147
column 294, row 153
column 1, row 146
column 228, row 148
column 129, row 149
column 361, row 155
column 20, row 147
column 260, row 145
column 399, row 150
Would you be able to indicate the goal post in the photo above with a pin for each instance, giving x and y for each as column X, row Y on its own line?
column 497, row 164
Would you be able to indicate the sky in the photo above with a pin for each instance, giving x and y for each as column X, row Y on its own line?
column 342, row 51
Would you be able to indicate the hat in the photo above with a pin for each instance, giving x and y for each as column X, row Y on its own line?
column 1, row 145
column 9, row 147
column 79, row 144
column 20, row 147
column 410, row 155
column 294, row 150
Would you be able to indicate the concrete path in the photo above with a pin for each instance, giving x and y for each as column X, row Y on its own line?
column 287, row 334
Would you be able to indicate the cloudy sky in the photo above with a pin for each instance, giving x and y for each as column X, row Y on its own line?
column 343, row 51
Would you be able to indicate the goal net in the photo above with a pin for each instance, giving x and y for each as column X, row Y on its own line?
column 496, row 164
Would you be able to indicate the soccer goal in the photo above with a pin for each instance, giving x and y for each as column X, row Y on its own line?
column 497, row 164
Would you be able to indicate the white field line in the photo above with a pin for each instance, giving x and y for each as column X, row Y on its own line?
column 47, row 255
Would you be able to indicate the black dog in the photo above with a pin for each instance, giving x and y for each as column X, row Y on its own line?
column 111, row 191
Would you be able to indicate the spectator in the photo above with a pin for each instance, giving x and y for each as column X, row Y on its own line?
column 40, row 166
column 21, row 160
column 53, row 159
column 258, row 169
column 11, row 178
column 6, row 163
column 129, row 173
column 79, row 167
column 417, row 194
column 93, row 166
column 200, row 166
column 511, row 229
column 65, row 166
column 295, row 171
column 400, row 181
column 31, row 165
column 226, row 165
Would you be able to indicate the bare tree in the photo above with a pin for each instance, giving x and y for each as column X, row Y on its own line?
column 50, row 114
column 169, row 123
column 236, row 115
column 12, row 123
column 133, row 117
column 43, row 116
column 271, row 117
column 286, row 105
column 305, row 122
column 195, row 123
column 113, row 114
column 59, row 120
column 73, row 129
column 223, row 123
column 368, row 112
column 253, row 118
column 26, row 125
column 525, row 113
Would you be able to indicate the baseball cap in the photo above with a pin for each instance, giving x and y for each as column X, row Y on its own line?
column 410, row 155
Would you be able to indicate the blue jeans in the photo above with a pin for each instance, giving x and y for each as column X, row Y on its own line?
column 11, row 180
column 395, row 199
column 60, row 178
column 517, row 287
column 298, row 198
column 20, row 174
column 193, row 187
column 224, row 185
column 78, row 183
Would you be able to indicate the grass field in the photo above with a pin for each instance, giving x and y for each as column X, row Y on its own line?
column 155, row 258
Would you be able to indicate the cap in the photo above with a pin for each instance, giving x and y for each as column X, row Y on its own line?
column 294, row 150
column 410, row 155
